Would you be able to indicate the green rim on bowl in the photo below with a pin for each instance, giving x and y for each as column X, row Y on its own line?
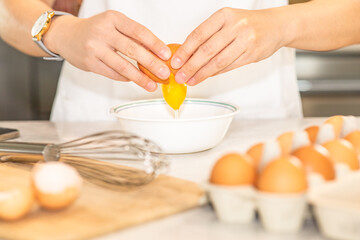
column 115, row 110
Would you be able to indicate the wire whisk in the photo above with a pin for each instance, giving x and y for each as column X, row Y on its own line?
column 138, row 160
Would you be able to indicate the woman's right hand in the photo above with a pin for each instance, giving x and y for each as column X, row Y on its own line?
column 92, row 44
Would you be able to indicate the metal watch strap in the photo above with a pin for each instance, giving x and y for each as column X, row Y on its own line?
column 54, row 56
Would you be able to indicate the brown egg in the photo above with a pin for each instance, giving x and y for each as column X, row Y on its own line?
column 262, row 153
column 233, row 169
column 312, row 132
column 285, row 141
column 56, row 185
column 290, row 141
column 354, row 139
column 256, row 153
column 316, row 159
column 15, row 202
column 342, row 151
column 337, row 123
column 283, row 175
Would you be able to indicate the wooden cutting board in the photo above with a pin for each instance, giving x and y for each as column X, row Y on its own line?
column 98, row 210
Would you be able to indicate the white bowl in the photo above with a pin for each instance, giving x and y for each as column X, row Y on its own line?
column 202, row 123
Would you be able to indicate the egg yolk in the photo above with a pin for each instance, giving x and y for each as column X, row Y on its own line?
column 174, row 93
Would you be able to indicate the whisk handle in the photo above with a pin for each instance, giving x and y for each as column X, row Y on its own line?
column 29, row 151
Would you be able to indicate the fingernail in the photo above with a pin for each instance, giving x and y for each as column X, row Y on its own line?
column 176, row 63
column 165, row 53
column 191, row 82
column 180, row 77
column 164, row 72
column 151, row 86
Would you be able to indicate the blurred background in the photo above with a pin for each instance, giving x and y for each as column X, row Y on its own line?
column 329, row 83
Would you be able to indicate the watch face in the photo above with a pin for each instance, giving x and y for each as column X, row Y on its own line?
column 39, row 24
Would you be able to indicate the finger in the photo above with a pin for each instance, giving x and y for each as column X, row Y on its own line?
column 197, row 37
column 218, row 63
column 135, row 51
column 243, row 60
column 204, row 54
column 102, row 69
column 141, row 34
column 126, row 69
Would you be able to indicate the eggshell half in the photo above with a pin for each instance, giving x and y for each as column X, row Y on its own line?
column 15, row 202
column 56, row 185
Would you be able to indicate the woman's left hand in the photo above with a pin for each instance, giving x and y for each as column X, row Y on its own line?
column 229, row 39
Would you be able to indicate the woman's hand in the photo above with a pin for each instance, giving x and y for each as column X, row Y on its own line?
column 229, row 39
column 92, row 44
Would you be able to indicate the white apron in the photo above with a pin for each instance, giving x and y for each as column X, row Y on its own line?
column 266, row 89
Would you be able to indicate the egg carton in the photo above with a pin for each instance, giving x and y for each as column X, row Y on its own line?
column 335, row 205
column 278, row 212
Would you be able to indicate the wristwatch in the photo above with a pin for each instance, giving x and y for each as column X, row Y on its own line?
column 40, row 27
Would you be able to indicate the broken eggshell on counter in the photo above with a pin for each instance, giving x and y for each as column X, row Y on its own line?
column 231, row 190
column 15, row 202
column 56, row 185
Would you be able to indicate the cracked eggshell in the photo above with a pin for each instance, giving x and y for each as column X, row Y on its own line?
column 15, row 202
column 56, row 185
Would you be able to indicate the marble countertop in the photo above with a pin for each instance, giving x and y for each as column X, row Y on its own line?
column 200, row 223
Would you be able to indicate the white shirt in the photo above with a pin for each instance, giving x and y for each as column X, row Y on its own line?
column 266, row 89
